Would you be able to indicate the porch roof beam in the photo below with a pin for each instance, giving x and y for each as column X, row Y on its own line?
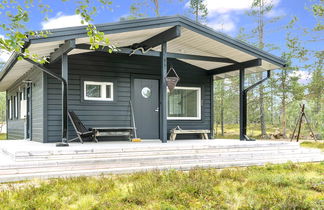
column 200, row 58
column 160, row 38
column 63, row 49
column 157, row 54
column 237, row 66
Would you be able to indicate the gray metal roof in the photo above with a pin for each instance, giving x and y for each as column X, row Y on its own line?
column 195, row 39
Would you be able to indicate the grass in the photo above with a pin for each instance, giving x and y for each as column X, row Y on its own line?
column 285, row 186
column 3, row 136
column 313, row 144
column 231, row 131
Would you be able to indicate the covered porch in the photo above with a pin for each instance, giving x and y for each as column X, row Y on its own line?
column 198, row 52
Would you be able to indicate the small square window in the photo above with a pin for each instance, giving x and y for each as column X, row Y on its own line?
column 98, row 91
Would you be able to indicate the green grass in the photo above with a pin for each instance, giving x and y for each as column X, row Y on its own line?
column 232, row 131
column 313, row 144
column 285, row 186
column 3, row 136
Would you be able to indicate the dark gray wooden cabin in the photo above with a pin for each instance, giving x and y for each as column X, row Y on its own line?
column 100, row 85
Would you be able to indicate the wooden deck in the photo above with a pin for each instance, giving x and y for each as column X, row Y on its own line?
column 21, row 159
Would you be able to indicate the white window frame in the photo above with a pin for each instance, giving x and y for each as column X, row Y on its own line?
column 198, row 104
column 10, row 109
column 23, row 106
column 16, row 107
column 102, row 89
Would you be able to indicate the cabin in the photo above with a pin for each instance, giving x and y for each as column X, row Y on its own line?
column 99, row 86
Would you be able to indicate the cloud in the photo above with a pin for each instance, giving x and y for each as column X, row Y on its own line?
column 221, row 6
column 276, row 13
column 303, row 76
column 222, row 23
column 223, row 14
column 4, row 55
column 226, row 6
column 61, row 21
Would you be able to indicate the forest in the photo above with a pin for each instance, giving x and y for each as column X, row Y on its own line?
column 274, row 107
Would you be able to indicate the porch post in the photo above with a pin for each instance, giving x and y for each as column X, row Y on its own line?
column 212, row 103
column 163, row 94
column 243, row 106
column 64, row 75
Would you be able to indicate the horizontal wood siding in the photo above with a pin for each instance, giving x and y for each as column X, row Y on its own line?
column 37, row 106
column 16, row 127
column 118, row 69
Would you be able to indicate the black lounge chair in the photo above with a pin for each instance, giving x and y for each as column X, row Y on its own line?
column 82, row 132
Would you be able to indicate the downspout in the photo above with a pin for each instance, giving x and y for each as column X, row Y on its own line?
column 244, row 93
column 64, row 92
column 64, row 101
column 7, row 114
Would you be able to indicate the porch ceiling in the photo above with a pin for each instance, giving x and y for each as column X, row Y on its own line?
column 195, row 39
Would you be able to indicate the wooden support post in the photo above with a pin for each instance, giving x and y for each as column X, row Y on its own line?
column 163, row 95
column 243, row 106
column 212, row 119
column 64, row 75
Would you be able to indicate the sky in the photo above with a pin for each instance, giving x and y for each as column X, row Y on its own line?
column 226, row 16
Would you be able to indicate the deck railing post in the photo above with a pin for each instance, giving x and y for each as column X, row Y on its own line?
column 163, row 94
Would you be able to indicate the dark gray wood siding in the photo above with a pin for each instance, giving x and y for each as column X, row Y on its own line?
column 119, row 69
column 16, row 126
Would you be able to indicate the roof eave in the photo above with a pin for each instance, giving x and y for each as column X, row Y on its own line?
column 9, row 64
column 250, row 49
column 146, row 23
column 140, row 24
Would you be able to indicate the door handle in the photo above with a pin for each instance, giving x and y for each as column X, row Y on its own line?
column 157, row 109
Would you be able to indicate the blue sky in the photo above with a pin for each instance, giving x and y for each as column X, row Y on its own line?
column 226, row 16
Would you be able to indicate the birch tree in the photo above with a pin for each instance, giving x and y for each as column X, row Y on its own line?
column 16, row 14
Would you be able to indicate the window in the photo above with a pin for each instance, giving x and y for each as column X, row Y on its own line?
column 15, row 107
column 98, row 91
column 23, row 105
column 10, row 109
column 184, row 103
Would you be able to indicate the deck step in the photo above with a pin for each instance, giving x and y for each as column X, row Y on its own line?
column 81, row 160
column 94, row 171
column 45, row 155
column 145, row 161
column 158, row 156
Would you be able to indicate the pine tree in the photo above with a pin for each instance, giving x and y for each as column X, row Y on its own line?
column 259, row 10
column 199, row 9
column 316, row 92
column 287, row 84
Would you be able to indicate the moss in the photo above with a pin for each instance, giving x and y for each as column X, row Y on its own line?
column 3, row 136
column 313, row 144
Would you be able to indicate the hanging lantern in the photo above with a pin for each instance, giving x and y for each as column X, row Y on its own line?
column 172, row 81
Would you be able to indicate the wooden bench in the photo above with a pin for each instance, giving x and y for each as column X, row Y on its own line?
column 113, row 131
column 175, row 132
